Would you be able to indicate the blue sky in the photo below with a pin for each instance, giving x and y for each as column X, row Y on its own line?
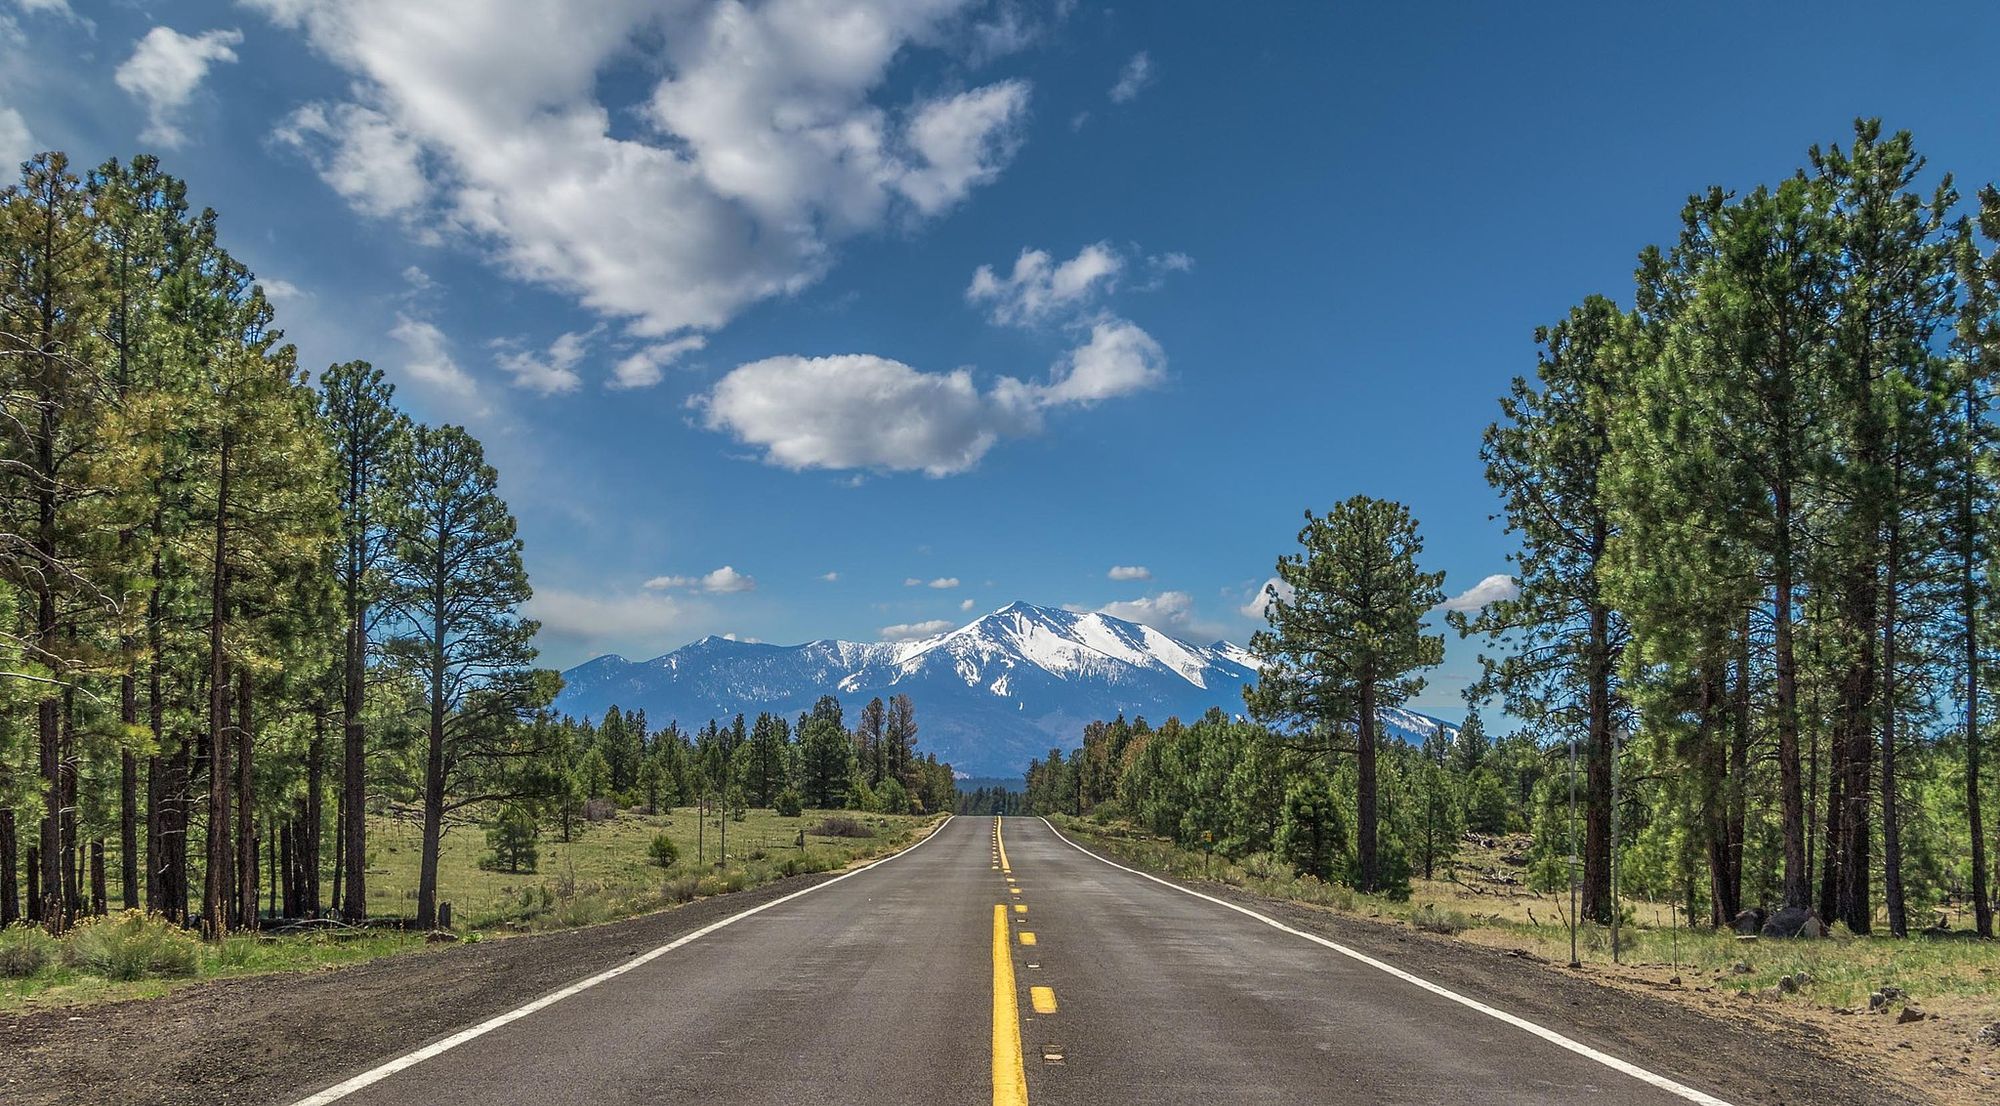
column 704, row 277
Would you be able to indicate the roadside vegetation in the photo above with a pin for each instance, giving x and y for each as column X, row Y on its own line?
column 607, row 871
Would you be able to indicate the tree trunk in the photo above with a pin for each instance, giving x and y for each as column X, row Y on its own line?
column 99, row 889
column 10, row 891
column 354, row 779
column 309, row 836
column 1739, row 773
column 128, row 795
column 35, row 901
column 1598, row 752
column 1797, row 887
column 246, row 793
column 72, row 857
column 158, row 775
column 1969, row 600
column 433, row 791
column 214, row 924
column 1365, row 784
column 1892, row 839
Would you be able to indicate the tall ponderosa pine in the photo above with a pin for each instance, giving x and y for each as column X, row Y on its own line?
column 1347, row 640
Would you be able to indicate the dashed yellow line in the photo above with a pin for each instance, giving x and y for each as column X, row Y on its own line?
column 1020, row 908
column 1043, row 998
column 1027, row 938
column 1010, row 1077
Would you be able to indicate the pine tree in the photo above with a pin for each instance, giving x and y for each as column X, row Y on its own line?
column 1347, row 641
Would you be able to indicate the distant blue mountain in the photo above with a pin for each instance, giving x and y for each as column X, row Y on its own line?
column 990, row 695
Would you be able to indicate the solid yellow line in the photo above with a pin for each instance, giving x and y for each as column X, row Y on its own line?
column 1010, row 1078
column 1044, row 999
column 1002, row 845
column 1027, row 938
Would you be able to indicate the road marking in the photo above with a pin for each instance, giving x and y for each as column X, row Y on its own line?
column 1020, row 908
column 409, row 1060
column 1679, row 1090
column 1043, row 998
column 1000, row 844
column 1027, row 938
column 1013, row 890
column 1010, row 1075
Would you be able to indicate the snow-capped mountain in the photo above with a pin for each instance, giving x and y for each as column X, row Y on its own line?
column 990, row 695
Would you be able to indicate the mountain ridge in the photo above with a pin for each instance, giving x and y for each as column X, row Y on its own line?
column 990, row 695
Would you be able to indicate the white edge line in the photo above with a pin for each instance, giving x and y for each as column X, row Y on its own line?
column 409, row 1060
column 1635, row 1071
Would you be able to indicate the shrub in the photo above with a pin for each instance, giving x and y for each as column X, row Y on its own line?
column 131, row 945
column 789, row 804
column 663, row 851
column 1432, row 919
column 24, row 950
column 840, row 825
column 513, row 840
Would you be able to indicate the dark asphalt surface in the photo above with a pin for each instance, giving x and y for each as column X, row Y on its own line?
column 879, row 988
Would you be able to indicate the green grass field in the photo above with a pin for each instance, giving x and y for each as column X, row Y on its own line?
column 603, row 873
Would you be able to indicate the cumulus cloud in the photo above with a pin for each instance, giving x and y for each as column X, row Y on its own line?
column 965, row 605
column 594, row 623
column 1170, row 612
column 165, row 69
column 943, row 583
column 915, row 631
column 646, row 367
column 1137, row 74
column 552, row 373
column 429, row 359
column 830, row 577
column 765, row 140
column 1259, row 600
column 1040, row 288
column 723, row 581
column 1490, row 590
column 17, row 144
column 859, row 411
column 1130, row 572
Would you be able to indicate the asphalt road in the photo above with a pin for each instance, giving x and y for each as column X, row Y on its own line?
column 943, row 975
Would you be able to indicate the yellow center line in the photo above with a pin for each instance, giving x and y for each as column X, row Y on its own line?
column 1020, row 908
column 1010, row 1078
column 1027, row 938
column 1001, row 844
column 1044, row 999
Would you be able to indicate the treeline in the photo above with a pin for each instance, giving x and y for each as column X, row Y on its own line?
column 238, row 609
column 1754, row 512
column 786, row 765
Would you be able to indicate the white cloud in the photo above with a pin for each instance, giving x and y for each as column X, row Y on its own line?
column 645, row 368
column 281, row 292
column 859, row 411
column 16, row 143
column 1136, row 75
column 1490, row 590
column 830, row 577
column 430, row 361
column 1254, row 607
column 362, row 155
column 764, row 142
column 549, row 374
column 1130, row 572
column 965, row 605
column 1039, row 288
column 914, row 631
column 595, row 623
column 165, row 69
column 1119, row 359
column 943, row 583
column 1170, row 612
column 723, row 581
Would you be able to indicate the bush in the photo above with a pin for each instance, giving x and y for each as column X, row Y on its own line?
column 24, row 950
column 131, row 945
column 1433, row 919
column 663, row 852
column 789, row 804
column 513, row 840
column 840, row 825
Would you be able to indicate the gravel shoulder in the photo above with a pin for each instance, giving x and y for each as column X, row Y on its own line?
column 1750, row 1052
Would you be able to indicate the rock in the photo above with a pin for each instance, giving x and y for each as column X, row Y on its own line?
column 1910, row 1014
column 1894, row 993
column 1989, row 1035
column 1740, row 967
column 1793, row 921
column 1749, row 921
column 1802, row 978
column 1788, row 985
column 1877, row 1002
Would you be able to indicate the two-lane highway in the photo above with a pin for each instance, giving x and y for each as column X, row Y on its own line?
column 995, row 961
